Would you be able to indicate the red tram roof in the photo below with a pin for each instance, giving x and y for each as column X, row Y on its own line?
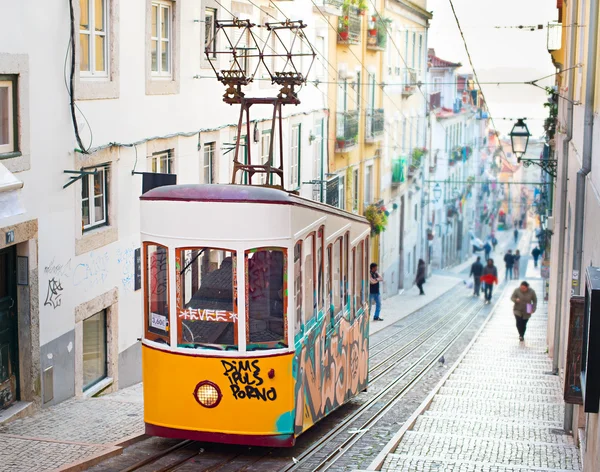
column 218, row 193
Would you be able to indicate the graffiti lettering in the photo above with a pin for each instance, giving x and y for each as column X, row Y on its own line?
column 125, row 260
column 93, row 273
column 245, row 381
column 53, row 297
column 192, row 314
column 58, row 270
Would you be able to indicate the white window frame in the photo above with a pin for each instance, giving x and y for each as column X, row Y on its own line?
column 10, row 146
column 210, row 11
column 92, row 34
column 160, row 6
column 295, row 137
column 158, row 159
column 89, row 181
column 368, row 184
column 207, row 168
column 342, row 193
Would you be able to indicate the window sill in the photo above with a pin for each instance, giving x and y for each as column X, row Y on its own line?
column 95, row 238
column 97, row 388
column 10, row 155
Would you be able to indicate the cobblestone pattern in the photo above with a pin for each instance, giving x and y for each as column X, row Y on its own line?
column 498, row 411
column 47, row 438
column 22, row 455
column 491, row 429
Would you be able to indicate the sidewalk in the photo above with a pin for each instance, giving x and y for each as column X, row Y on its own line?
column 71, row 431
column 498, row 408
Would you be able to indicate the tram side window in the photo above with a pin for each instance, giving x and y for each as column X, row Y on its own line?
column 206, row 314
column 337, row 277
column 346, row 252
column 298, row 286
column 320, row 249
column 266, row 298
column 359, row 294
column 328, row 276
column 309, row 279
column 157, row 290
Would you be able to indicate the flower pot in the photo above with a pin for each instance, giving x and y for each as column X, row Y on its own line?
column 341, row 143
column 373, row 32
column 344, row 35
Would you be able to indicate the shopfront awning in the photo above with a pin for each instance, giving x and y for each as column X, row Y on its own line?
column 10, row 189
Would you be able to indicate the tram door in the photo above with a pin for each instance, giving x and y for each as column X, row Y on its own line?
column 9, row 360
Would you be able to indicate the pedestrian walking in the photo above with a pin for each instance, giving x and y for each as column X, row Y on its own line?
column 374, row 295
column 536, row 255
column 489, row 277
column 420, row 278
column 494, row 242
column 516, row 234
column 525, row 301
column 509, row 262
column 487, row 248
column 476, row 273
column 517, row 266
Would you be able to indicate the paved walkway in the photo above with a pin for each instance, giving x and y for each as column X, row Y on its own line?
column 499, row 410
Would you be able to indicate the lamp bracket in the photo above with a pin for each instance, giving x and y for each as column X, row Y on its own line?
column 547, row 165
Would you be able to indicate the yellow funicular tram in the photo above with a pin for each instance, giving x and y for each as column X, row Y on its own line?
column 255, row 299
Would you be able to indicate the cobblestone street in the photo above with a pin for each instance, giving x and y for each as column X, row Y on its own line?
column 500, row 410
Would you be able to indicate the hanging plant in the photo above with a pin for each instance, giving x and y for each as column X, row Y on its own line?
column 377, row 218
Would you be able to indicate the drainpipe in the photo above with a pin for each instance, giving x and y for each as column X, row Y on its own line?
column 586, row 165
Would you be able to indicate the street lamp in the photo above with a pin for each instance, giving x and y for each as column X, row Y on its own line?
column 437, row 193
column 519, row 138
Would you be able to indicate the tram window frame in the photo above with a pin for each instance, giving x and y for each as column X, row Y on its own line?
column 219, row 316
column 298, row 287
column 309, row 280
column 366, row 271
column 254, row 345
column 329, row 283
column 321, row 269
column 360, row 274
column 351, row 283
column 338, row 306
column 153, row 333
column 346, row 280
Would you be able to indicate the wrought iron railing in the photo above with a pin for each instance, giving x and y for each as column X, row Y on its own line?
column 410, row 81
column 346, row 131
column 349, row 26
column 375, row 124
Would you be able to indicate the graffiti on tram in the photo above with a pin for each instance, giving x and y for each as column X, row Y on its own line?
column 334, row 368
column 246, row 382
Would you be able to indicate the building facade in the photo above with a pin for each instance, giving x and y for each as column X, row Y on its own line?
column 144, row 100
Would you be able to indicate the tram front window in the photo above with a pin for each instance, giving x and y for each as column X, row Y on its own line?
column 266, row 295
column 207, row 317
column 157, row 289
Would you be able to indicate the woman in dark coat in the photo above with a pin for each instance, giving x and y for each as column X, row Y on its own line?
column 420, row 279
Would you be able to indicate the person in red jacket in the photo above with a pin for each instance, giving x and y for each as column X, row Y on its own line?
column 489, row 277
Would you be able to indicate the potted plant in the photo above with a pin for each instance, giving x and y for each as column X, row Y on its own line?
column 340, row 142
column 372, row 28
column 377, row 218
column 343, row 28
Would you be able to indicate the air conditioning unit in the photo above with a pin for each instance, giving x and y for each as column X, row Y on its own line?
column 550, row 224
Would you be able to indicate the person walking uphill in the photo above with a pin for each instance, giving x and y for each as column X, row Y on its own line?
column 517, row 264
column 374, row 295
column 525, row 301
column 420, row 278
column 489, row 277
column 476, row 273
column 516, row 234
column 536, row 255
column 509, row 261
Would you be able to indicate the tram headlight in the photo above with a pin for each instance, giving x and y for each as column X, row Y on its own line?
column 207, row 394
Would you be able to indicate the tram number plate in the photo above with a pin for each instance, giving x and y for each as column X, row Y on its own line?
column 159, row 322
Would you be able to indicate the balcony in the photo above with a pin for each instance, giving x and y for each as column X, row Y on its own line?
column 347, row 131
column 410, row 82
column 349, row 26
column 328, row 7
column 374, row 125
column 377, row 34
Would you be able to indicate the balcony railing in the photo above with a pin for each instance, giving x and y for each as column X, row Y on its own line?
column 410, row 82
column 328, row 7
column 377, row 35
column 374, row 124
column 347, row 131
column 349, row 26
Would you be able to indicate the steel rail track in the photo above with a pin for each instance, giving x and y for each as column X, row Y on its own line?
column 341, row 427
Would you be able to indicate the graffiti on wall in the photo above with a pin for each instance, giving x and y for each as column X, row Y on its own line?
column 54, row 294
column 92, row 272
column 126, row 264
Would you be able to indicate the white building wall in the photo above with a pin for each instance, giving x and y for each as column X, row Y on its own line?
column 75, row 274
